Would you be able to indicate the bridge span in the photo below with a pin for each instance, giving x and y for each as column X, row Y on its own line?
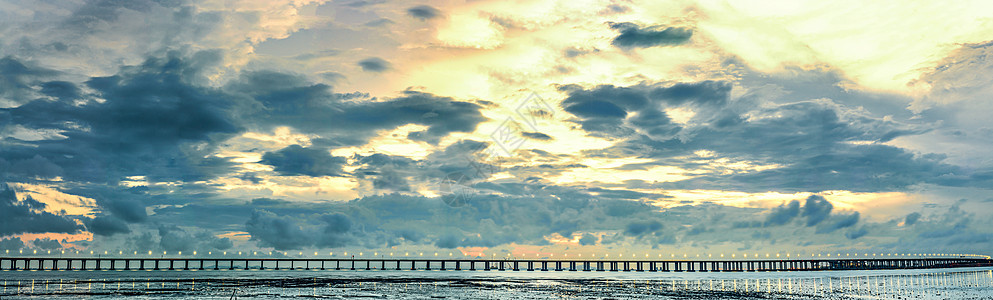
column 209, row 263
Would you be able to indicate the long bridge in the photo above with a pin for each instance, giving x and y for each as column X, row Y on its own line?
column 757, row 265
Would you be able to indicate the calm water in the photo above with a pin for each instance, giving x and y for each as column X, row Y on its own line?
column 972, row 283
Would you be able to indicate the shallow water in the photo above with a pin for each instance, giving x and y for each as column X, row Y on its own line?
column 965, row 283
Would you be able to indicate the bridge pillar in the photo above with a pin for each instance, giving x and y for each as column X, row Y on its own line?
column 572, row 266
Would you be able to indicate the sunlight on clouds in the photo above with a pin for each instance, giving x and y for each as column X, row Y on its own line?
column 680, row 115
column 293, row 188
column 280, row 138
column 470, row 30
column 248, row 148
column 392, row 142
column 84, row 236
column 55, row 201
column 595, row 175
column 857, row 37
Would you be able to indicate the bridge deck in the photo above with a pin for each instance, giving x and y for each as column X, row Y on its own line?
column 215, row 263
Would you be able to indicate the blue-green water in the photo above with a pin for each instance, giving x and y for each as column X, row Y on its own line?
column 971, row 283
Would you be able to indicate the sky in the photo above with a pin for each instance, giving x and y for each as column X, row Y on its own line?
column 496, row 128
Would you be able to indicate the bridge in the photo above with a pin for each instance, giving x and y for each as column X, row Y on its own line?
column 208, row 263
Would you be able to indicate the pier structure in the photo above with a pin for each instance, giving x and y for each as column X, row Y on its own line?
column 757, row 265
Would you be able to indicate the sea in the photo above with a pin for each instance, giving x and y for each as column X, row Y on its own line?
column 958, row 283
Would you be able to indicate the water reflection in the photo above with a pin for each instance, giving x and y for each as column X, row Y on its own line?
column 907, row 284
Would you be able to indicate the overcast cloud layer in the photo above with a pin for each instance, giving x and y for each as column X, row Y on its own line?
column 491, row 127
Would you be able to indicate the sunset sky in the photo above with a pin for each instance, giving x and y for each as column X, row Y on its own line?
column 522, row 128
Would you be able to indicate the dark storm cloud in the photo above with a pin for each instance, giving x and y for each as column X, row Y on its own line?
column 36, row 166
column 817, row 209
column 640, row 228
column 374, row 64
column 290, row 233
column 288, row 100
column 297, row 160
column 636, row 36
column 812, row 141
column 911, row 218
column 12, row 244
column 145, row 122
column 61, row 90
column 17, row 80
column 276, row 232
column 172, row 238
column 46, row 243
column 423, row 12
column 783, row 214
column 857, row 233
column 106, row 226
column 28, row 216
column 840, row 222
column 605, row 109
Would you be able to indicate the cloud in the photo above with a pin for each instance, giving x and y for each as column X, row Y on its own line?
column 536, row 136
column 587, row 240
column 28, row 216
column 841, row 222
column 911, row 218
column 817, row 209
column 106, row 226
column 173, row 238
column 856, row 233
column 635, row 36
column 12, row 244
column 811, row 146
column 348, row 119
column 374, row 64
column 46, row 243
column 640, row 228
column 423, row 12
column 36, row 166
column 273, row 231
column 297, row 160
column 17, row 80
column 140, row 121
column 784, row 213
